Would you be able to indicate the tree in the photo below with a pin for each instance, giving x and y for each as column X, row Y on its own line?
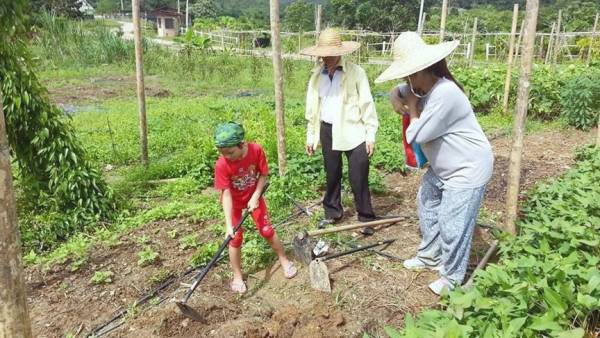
column 299, row 16
column 204, row 9
column 69, row 8
column 108, row 6
column 53, row 167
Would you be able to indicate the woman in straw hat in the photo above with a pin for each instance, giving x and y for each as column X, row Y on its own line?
column 341, row 116
column 460, row 156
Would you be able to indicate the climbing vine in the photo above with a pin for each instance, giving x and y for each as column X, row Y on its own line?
column 53, row 173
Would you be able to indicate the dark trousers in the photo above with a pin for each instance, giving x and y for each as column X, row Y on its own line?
column 358, row 172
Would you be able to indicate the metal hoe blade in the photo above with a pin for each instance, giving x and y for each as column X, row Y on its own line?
column 319, row 276
column 303, row 246
column 189, row 312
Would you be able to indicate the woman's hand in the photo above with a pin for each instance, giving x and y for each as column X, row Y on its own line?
column 398, row 103
column 412, row 102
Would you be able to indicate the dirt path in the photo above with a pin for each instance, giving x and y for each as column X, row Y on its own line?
column 369, row 291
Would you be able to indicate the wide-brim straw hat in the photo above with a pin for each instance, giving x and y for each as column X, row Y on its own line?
column 412, row 54
column 330, row 44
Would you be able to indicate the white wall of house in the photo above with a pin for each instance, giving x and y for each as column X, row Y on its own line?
column 167, row 26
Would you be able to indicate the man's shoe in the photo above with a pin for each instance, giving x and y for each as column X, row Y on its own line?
column 367, row 231
column 327, row 221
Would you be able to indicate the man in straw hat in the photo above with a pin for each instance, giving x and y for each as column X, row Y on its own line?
column 460, row 156
column 341, row 116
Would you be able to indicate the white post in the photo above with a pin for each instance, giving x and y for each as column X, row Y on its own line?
column 187, row 14
column 420, row 24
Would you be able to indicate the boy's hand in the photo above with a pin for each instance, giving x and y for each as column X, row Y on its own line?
column 229, row 232
column 253, row 203
column 370, row 148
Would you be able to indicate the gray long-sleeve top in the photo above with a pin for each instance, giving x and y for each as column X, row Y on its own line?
column 452, row 139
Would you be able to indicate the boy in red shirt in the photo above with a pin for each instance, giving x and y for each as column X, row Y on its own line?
column 241, row 174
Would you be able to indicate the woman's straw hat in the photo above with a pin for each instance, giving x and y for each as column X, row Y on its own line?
column 412, row 54
column 330, row 44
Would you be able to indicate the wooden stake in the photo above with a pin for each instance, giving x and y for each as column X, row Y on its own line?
column 139, row 75
column 514, row 175
column 278, row 83
column 473, row 43
column 511, row 47
column 14, row 316
column 592, row 38
column 443, row 20
column 318, row 23
column 550, row 43
column 518, row 47
column 557, row 38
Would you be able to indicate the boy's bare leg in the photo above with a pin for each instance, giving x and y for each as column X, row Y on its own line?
column 235, row 258
column 275, row 244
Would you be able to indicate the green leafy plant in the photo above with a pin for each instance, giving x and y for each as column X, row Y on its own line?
column 580, row 100
column 102, row 277
column 189, row 242
column 547, row 281
column 147, row 256
column 161, row 276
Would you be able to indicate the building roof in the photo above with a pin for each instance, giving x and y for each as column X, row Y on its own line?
column 168, row 12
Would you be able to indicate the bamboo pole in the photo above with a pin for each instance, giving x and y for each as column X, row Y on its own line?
column 472, row 54
column 14, row 316
column 592, row 38
column 443, row 20
column 318, row 22
column 509, row 63
column 512, row 194
column 518, row 46
column 139, row 75
column 557, row 40
column 278, row 83
column 550, row 43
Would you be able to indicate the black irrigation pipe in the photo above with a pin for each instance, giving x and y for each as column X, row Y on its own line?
column 97, row 331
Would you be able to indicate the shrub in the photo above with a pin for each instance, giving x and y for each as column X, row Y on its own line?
column 580, row 100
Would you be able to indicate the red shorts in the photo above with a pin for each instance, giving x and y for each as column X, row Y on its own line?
column 260, row 216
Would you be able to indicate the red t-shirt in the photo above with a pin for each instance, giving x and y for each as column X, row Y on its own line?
column 241, row 176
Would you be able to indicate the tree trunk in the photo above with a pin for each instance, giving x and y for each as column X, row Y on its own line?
column 512, row 194
column 278, row 83
column 589, row 56
column 14, row 317
column 443, row 20
column 139, row 74
column 511, row 47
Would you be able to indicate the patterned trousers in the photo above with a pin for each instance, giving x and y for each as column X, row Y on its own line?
column 447, row 217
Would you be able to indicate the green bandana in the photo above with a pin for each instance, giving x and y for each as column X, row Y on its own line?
column 229, row 134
